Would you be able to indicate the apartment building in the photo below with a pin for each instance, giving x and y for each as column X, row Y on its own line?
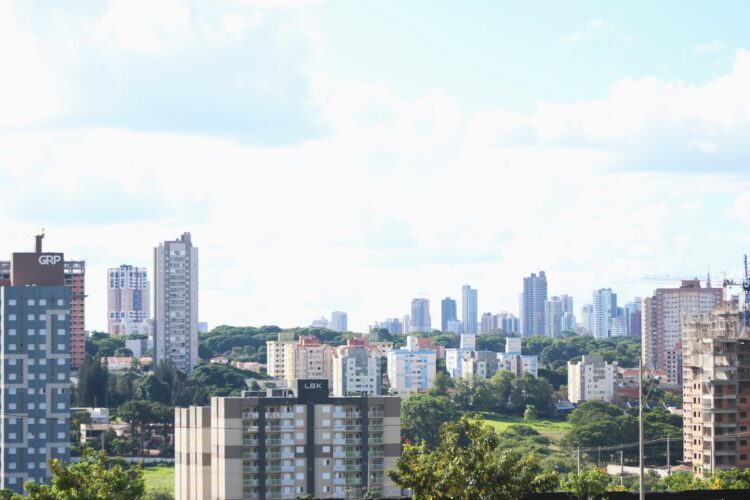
column 35, row 363
column 356, row 369
column 716, row 391
column 275, row 353
column 592, row 379
column 662, row 315
column 128, row 298
column 281, row 445
column 411, row 369
column 176, row 303
column 308, row 358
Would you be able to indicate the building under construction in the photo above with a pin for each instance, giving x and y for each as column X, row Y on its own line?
column 716, row 390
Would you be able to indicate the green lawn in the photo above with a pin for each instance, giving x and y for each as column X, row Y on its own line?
column 553, row 429
column 159, row 479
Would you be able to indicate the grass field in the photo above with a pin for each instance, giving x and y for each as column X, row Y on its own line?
column 159, row 479
column 553, row 429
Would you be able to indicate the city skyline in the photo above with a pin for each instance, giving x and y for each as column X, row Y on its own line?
column 639, row 158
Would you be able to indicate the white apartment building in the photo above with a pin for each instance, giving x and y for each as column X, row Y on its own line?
column 411, row 369
column 592, row 379
column 275, row 354
column 356, row 370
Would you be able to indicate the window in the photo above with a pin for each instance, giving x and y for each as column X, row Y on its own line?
column 31, row 317
column 300, row 476
column 11, row 317
column 300, row 462
column 61, row 317
column 42, row 302
column 11, row 302
column 326, row 409
column 326, row 449
column 300, row 423
column 11, row 331
column 300, row 435
column 326, row 435
column 60, row 302
column 30, row 302
column 300, row 449
column 326, row 475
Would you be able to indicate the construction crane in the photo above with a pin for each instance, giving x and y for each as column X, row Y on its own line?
column 746, row 291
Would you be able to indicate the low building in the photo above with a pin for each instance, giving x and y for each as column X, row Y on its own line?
column 279, row 444
column 92, row 433
column 592, row 379
column 514, row 361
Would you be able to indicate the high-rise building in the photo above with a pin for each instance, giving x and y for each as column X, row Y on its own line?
column 587, row 318
column 35, row 363
column 176, row 303
column 308, row 358
column 278, row 444
column 716, row 391
column 448, row 313
column 632, row 314
column 487, row 323
column 420, row 316
column 321, row 322
column 339, row 321
column 393, row 325
column 128, row 297
column 553, row 312
column 455, row 326
column 661, row 319
column 276, row 354
column 532, row 304
column 411, row 369
column 469, row 310
column 407, row 323
column 592, row 379
column 513, row 361
column 603, row 300
column 568, row 322
column 356, row 369
column 507, row 322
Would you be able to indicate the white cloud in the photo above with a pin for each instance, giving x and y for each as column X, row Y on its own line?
column 712, row 46
column 234, row 26
column 144, row 26
column 28, row 89
column 593, row 28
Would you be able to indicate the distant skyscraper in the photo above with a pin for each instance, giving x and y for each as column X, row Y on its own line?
column 469, row 309
column 407, row 323
column 553, row 312
column 532, row 304
column 568, row 322
column 587, row 316
column 632, row 313
column 567, row 303
column 35, row 363
column 507, row 322
column 321, row 322
column 448, row 313
column 604, row 300
column 488, row 323
column 176, row 303
column 393, row 325
column 455, row 326
column 128, row 299
column 420, row 315
column 339, row 321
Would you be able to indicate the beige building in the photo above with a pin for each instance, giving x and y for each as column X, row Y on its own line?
column 308, row 358
column 356, row 369
column 661, row 317
column 716, row 391
column 278, row 445
column 592, row 378
column 128, row 299
column 275, row 352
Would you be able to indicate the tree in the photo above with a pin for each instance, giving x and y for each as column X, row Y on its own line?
column 422, row 415
column 588, row 484
column 93, row 478
column 464, row 466
column 441, row 383
column 530, row 413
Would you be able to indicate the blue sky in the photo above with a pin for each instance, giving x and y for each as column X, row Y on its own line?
column 353, row 155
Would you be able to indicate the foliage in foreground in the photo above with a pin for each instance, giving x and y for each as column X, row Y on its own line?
column 465, row 466
column 93, row 478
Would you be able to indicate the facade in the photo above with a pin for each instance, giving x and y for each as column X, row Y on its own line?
column 661, row 317
column 513, row 361
column 420, row 316
column 128, row 296
column 393, row 325
column 276, row 352
column 321, row 322
column 716, row 391
column 447, row 313
column 339, row 321
column 603, row 300
column 454, row 358
column 532, row 304
column 487, row 324
column 176, row 303
column 455, row 326
column 356, row 369
column 587, row 318
column 278, row 445
column 553, row 312
column 75, row 279
column 308, row 358
column 35, row 364
column 632, row 314
column 568, row 322
column 411, row 369
column 507, row 322
column 469, row 310
column 592, row 379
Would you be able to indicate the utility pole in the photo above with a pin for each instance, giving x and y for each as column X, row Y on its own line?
column 579, row 460
column 669, row 462
column 622, row 468
column 641, row 488
column 599, row 457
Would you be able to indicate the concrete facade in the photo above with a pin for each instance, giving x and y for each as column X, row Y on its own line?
column 411, row 369
column 128, row 299
column 592, row 379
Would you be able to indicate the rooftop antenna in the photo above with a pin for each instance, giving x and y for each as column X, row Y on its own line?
column 39, row 238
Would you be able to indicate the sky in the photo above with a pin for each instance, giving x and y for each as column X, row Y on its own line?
column 354, row 155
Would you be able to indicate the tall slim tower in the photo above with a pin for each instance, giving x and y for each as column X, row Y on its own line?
column 604, row 300
column 448, row 313
column 339, row 321
column 176, row 303
column 532, row 304
column 35, row 362
column 469, row 313
column 420, row 316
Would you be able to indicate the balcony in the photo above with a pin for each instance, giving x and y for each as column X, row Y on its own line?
column 376, row 414
column 375, row 440
column 353, row 454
